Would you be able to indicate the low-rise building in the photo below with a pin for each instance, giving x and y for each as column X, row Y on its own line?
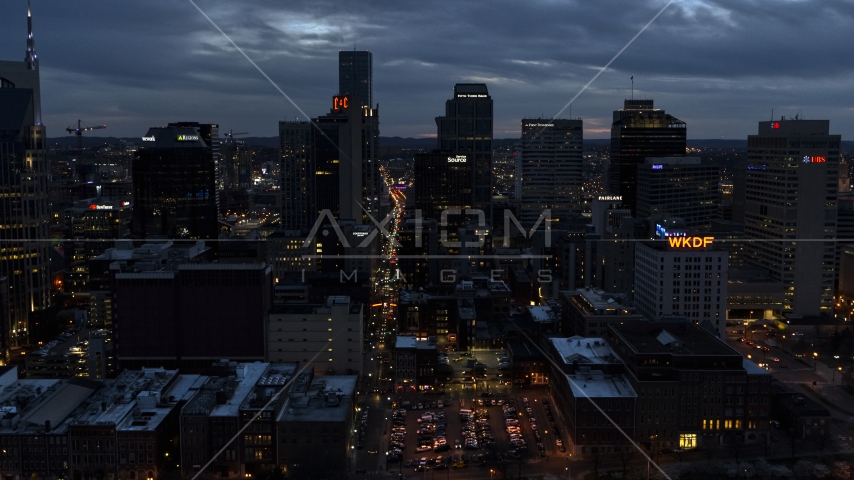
column 296, row 332
column 596, row 406
column 415, row 364
column 528, row 364
column 313, row 427
column 693, row 389
column 801, row 415
column 587, row 312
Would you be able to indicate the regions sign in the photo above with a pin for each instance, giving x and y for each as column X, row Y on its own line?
column 690, row 242
column 188, row 138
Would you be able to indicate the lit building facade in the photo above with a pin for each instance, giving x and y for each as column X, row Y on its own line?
column 790, row 195
column 550, row 159
column 640, row 131
column 683, row 276
column 466, row 129
column 685, row 188
column 24, row 201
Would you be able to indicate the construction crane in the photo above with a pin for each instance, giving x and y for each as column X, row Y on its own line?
column 79, row 132
column 230, row 136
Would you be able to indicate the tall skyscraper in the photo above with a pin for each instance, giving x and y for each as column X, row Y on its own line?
column 639, row 131
column 296, row 175
column 550, row 163
column 466, row 128
column 681, row 187
column 25, row 74
column 174, row 186
column 791, row 195
column 355, row 75
column 442, row 181
column 346, row 171
column 24, row 203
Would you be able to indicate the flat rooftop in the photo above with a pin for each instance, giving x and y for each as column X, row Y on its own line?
column 149, row 418
column 683, row 338
column 541, row 314
column 584, row 350
column 599, row 302
column 597, row 385
column 521, row 349
column 247, row 376
column 327, row 399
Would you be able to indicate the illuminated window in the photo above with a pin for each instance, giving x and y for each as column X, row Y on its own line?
column 688, row 440
column 727, row 423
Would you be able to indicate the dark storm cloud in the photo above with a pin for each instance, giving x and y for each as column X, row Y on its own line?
column 720, row 65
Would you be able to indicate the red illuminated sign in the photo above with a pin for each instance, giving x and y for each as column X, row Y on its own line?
column 815, row 159
column 775, row 124
column 342, row 102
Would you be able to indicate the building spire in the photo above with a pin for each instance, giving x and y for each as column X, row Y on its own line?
column 31, row 59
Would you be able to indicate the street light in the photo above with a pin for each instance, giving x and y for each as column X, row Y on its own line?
column 814, row 360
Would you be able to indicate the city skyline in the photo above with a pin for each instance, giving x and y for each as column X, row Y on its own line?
column 719, row 77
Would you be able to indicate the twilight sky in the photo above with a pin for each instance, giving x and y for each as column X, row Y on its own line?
column 719, row 65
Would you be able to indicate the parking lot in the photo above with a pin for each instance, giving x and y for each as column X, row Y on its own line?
column 483, row 440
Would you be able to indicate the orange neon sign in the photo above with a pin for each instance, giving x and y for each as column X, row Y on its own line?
column 690, row 242
column 340, row 102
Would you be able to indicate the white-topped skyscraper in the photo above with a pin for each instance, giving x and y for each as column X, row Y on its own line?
column 24, row 203
column 790, row 195
column 550, row 162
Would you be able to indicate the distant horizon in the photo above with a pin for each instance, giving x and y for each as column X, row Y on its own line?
column 706, row 63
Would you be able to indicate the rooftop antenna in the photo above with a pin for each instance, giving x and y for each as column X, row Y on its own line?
column 772, row 114
column 633, row 86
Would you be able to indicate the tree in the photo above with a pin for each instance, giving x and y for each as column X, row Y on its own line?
column 595, row 453
column 625, row 453
column 794, row 442
column 735, row 446
column 823, row 441
column 768, row 446
column 840, row 471
column 710, row 450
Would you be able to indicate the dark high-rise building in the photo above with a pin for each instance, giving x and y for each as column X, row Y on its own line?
column 637, row 132
column 174, row 185
column 680, row 187
column 355, row 75
column 189, row 315
column 466, row 129
column 209, row 133
column 442, row 181
column 791, row 194
column 296, row 175
column 91, row 227
column 345, row 170
column 551, row 169
column 24, row 202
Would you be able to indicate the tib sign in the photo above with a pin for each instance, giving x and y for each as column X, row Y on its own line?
column 690, row 242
